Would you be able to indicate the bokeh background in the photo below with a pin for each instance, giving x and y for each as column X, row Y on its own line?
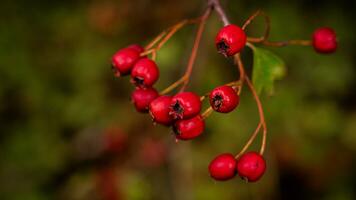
column 69, row 131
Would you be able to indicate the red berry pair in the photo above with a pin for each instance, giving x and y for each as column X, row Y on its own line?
column 250, row 166
column 181, row 110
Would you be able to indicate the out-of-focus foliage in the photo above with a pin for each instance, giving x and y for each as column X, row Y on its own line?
column 58, row 98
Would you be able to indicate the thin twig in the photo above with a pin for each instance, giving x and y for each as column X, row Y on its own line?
column 220, row 11
column 268, row 26
column 193, row 54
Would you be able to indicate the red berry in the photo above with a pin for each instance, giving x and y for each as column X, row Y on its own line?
column 159, row 110
column 223, row 167
column 230, row 40
column 251, row 166
column 144, row 73
column 224, row 99
column 324, row 40
column 188, row 129
column 137, row 48
column 185, row 105
column 142, row 98
column 123, row 61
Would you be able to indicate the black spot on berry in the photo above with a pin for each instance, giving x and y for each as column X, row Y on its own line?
column 177, row 110
column 222, row 47
column 138, row 81
column 217, row 101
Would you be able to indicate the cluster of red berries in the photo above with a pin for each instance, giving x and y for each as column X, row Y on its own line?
column 182, row 111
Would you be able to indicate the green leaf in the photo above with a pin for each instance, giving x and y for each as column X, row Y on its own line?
column 267, row 67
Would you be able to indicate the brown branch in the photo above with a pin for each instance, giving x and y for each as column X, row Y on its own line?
column 193, row 54
column 219, row 10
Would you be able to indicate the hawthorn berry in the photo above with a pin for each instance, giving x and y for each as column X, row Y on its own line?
column 159, row 110
column 223, row 167
column 144, row 73
column 230, row 40
column 224, row 99
column 142, row 98
column 123, row 61
column 251, row 166
column 137, row 48
column 185, row 105
column 187, row 129
column 324, row 40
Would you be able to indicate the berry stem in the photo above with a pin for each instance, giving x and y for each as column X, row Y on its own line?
column 207, row 112
column 155, row 40
column 173, row 86
column 260, row 110
column 195, row 48
column 280, row 43
column 165, row 35
column 259, row 106
column 267, row 21
column 250, row 140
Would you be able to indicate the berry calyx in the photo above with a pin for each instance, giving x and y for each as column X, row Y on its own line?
column 144, row 73
column 123, row 61
column 251, row 166
column 185, row 105
column 224, row 99
column 137, row 48
column 230, row 40
column 223, row 167
column 188, row 129
column 159, row 110
column 142, row 97
column 324, row 40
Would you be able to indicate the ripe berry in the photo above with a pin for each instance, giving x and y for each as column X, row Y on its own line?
column 144, row 73
column 185, row 105
column 159, row 110
column 251, row 166
column 230, row 40
column 223, row 167
column 188, row 129
column 137, row 48
column 123, row 61
column 324, row 40
column 224, row 99
column 142, row 98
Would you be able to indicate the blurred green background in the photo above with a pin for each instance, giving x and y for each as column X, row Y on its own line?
column 69, row 131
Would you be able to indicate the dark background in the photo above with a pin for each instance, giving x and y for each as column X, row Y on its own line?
column 68, row 130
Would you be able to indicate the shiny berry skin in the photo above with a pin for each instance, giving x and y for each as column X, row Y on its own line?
column 251, row 166
column 185, row 105
column 142, row 97
column 187, row 129
column 123, row 61
column 324, row 40
column 137, row 48
column 224, row 99
column 159, row 110
column 223, row 167
column 230, row 40
column 144, row 73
